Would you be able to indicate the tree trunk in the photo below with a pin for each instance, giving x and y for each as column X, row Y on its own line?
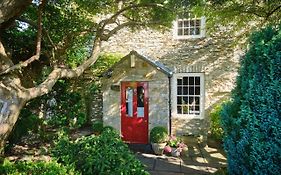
column 10, row 106
column 12, row 98
column 13, row 95
column 10, row 9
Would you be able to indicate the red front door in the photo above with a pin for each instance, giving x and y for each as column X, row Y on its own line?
column 134, row 112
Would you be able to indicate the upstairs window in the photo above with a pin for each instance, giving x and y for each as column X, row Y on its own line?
column 189, row 28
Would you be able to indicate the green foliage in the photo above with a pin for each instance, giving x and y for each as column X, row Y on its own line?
column 26, row 123
column 247, row 14
column 104, row 62
column 158, row 134
column 174, row 141
column 97, row 127
column 71, row 26
column 103, row 154
column 251, row 121
column 108, row 128
column 69, row 110
column 221, row 171
column 216, row 128
column 40, row 167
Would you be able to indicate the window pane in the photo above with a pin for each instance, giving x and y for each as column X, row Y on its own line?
column 140, row 101
column 186, row 31
column 179, row 81
column 198, row 21
column 197, row 31
column 185, row 109
column 179, row 90
column 179, row 100
column 191, row 109
column 185, row 100
column 197, row 108
column 191, row 100
column 192, row 31
column 180, row 32
column 186, row 23
column 197, row 100
column 192, row 23
column 185, row 91
column 179, row 110
column 140, row 95
column 197, row 90
column 185, row 80
column 197, row 80
column 191, row 80
column 191, row 91
column 180, row 24
column 129, row 101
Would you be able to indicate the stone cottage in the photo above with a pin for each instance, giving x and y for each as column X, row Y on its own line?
column 171, row 78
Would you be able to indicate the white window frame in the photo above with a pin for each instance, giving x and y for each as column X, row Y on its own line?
column 202, row 28
column 174, row 96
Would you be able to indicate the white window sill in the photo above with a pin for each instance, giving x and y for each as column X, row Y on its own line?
column 187, row 117
column 188, row 37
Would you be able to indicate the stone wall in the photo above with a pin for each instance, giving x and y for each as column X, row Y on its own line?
column 158, row 90
column 215, row 55
column 94, row 106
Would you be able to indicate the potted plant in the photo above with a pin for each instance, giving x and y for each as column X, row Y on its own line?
column 175, row 146
column 158, row 139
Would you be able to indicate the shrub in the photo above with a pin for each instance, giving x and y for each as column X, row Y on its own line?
column 103, row 154
column 158, row 134
column 40, row 167
column 251, row 121
column 97, row 127
column 108, row 128
column 216, row 128
column 67, row 108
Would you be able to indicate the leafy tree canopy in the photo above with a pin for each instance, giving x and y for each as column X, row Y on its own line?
column 70, row 26
column 241, row 14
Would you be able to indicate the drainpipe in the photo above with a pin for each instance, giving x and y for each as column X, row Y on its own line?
column 170, row 106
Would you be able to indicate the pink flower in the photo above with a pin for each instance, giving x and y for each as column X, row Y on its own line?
column 167, row 149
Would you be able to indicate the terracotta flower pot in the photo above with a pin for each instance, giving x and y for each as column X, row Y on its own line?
column 158, row 148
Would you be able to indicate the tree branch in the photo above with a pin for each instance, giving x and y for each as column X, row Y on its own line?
column 273, row 11
column 38, row 43
column 112, row 19
column 59, row 73
column 45, row 32
column 11, row 9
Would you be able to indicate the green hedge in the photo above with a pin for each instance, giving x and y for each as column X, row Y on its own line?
column 40, row 167
column 103, row 154
column 252, row 120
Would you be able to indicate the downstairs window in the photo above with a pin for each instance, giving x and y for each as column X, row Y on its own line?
column 188, row 95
